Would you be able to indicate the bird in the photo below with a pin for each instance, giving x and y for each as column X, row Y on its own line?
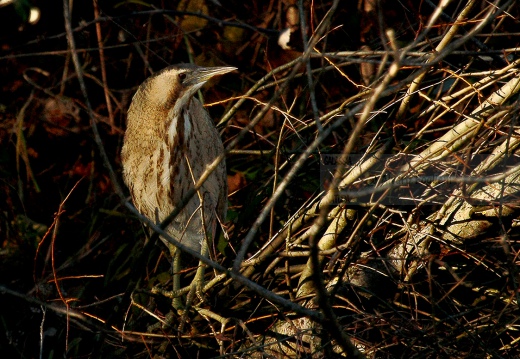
column 169, row 141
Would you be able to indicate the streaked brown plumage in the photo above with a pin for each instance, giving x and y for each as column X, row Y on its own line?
column 169, row 141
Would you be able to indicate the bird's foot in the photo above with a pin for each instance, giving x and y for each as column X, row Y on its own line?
column 174, row 295
column 162, row 324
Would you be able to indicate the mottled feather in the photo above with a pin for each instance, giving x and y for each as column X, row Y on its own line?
column 168, row 133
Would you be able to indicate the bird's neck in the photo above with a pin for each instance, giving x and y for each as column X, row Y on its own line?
column 180, row 124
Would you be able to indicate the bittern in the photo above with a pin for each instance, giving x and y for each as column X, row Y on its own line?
column 169, row 141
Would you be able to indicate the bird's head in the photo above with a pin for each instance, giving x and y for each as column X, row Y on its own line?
column 175, row 85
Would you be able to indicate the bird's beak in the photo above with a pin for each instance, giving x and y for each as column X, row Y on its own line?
column 200, row 75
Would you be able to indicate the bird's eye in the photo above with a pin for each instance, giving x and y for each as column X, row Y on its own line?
column 182, row 76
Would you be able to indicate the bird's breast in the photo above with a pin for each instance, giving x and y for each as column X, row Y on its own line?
column 162, row 161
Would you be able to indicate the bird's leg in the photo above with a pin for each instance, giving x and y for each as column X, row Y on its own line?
column 176, row 276
column 195, row 287
column 175, row 294
column 198, row 282
column 175, row 255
